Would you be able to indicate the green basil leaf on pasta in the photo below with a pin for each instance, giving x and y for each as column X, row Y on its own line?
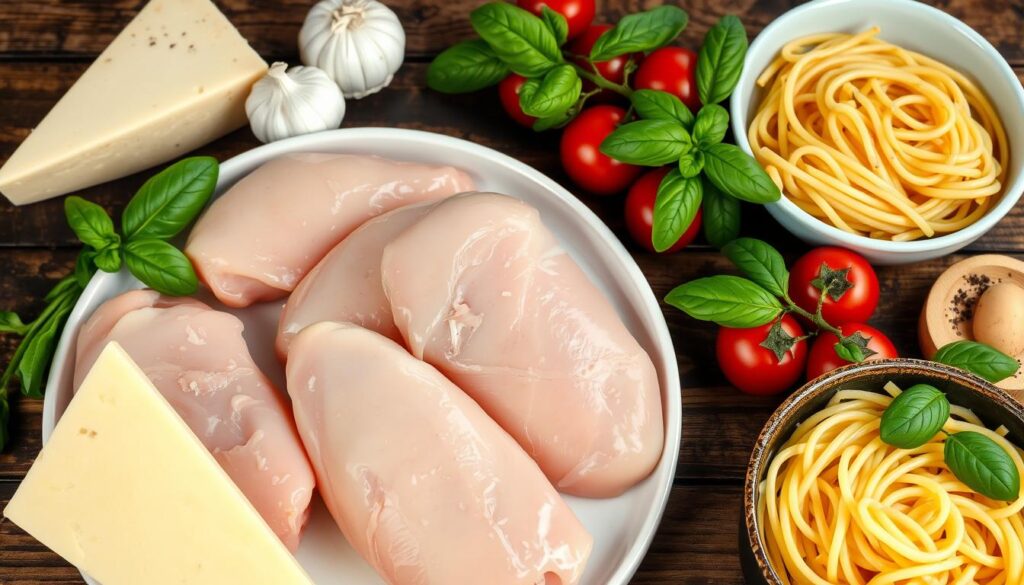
column 982, row 465
column 914, row 417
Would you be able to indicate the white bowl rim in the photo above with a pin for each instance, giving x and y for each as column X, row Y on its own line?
column 1011, row 193
column 661, row 337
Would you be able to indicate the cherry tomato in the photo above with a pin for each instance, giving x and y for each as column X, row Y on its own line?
column 577, row 13
column 581, row 155
column 823, row 357
column 640, row 212
column 755, row 369
column 671, row 69
column 508, row 93
column 855, row 305
column 614, row 69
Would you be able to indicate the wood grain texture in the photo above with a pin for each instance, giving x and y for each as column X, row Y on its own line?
column 82, row 28
column 696, row 544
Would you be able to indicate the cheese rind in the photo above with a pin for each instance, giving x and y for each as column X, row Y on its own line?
column 174, row 79
column 124, row 491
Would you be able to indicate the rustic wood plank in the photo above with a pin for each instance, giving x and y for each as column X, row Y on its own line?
column 696, row 544
column 30, row 89
column 82, row 28
column 720, row 423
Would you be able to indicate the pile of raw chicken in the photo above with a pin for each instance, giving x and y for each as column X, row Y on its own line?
column 450, row 368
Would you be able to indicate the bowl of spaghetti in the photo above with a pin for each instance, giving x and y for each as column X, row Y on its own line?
column 828, row 502
column 891, row 127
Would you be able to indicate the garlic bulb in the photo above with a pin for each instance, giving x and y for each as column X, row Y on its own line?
column 359, row 43
column 290, row 102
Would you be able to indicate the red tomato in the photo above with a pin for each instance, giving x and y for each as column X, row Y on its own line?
column 614, row 69
column 581, row 155
column 671, row 69
column 577, row 13
column 755, row 369
column 508, row 93
column 855, row 305
column 640, row 212
column 823, row 357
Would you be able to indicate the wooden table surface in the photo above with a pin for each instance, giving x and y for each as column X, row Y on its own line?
column 46, row 44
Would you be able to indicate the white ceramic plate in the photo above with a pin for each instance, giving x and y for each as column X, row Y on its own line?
column 622, row 527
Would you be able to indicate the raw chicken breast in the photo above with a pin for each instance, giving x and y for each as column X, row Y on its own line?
column 198, row 360
column 482, row 290
column 425, row 486
column 260, row 238
column 345, row 286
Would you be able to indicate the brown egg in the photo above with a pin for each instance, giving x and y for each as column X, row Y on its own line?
column 999, row 318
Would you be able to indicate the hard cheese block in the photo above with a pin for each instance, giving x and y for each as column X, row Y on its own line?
column 176, row 78
column 124, row 491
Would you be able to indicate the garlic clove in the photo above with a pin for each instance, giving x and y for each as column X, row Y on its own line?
column 359, row 43
column 290, row 102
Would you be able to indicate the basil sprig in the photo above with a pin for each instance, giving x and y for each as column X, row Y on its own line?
column 165, row 205
column 648, row 142
column 517, row 37
column 978, row 358
column 914, row 417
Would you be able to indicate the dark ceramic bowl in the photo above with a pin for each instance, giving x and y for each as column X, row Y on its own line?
column 991, row 404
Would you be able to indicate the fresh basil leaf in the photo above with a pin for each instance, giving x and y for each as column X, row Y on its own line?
column 653, row 104
column 729, row 301
column 691, row 163
column 759, row 262
column 10, row 322
column 556, row 23
column 108, row 259
column 647, row 142
column 85, row 267
column 711, row 124
column 35, row 361
column 161, row 267
column 721, row 216
column 517, row 37
column 90, row 222
column 978, row 358
column 170, row 199
column 642, row 31
column 738, row 174
column 465, row 67
column 553, row 95
column 721, row 60
column 982, row 465
column 675, row 208
column 62, row 286
column 914, row 417
column 555, row 121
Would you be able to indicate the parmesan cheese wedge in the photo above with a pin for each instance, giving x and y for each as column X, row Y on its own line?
column 124, row 491
column 175, row 79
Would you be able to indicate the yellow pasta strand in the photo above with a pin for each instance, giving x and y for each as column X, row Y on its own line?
column 878, row 140
column 840, row 507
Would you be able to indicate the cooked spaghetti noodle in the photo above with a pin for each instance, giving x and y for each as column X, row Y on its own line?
column 878, row 140
column 840, row 507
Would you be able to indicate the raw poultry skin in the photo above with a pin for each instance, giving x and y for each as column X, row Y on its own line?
column 197, row 358
column 345, row 286
column 482, row 290
column 260, row 238
column 425, row 486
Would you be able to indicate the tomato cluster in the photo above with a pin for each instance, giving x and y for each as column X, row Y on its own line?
column 670, row 69
column 756, row 369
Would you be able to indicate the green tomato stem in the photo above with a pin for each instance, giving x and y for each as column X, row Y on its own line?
column 814, row 318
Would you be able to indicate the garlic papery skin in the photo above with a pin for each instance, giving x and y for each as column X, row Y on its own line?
column 289, row 102
column 359, row 43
